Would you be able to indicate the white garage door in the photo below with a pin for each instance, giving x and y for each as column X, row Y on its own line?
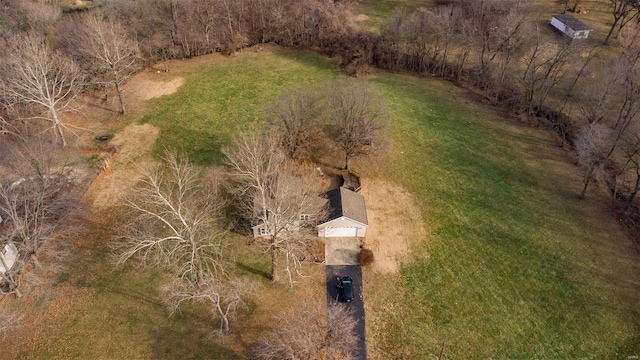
column 341, row 232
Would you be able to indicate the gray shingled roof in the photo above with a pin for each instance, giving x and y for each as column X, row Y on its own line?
column 572, row 22
column 344, row 202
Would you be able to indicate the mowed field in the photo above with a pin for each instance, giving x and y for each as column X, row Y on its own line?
column 513, row 265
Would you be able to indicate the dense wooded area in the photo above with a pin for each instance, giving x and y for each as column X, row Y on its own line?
column 494, row 47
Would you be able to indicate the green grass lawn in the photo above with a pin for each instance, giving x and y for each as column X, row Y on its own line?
column 219, row 100
column 515, row 265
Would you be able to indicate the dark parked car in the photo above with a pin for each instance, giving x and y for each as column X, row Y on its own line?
column 345, row 284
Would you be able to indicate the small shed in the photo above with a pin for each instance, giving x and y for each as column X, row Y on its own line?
column 347, row 215
column 570, row 26
column 351, row 180
column 9, row 255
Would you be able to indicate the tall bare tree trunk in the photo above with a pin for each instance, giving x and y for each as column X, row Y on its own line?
column 615, row 22
column 587, row 179
column 225, row 323
column 118, row 90
column 58, row 126
column 274, row 263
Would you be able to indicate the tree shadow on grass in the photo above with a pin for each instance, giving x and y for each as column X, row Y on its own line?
column 191, row 336
column 306, row 57
column 201, row 147
column 253, row 270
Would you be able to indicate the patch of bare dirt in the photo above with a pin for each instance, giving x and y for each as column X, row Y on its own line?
column 149, row 88
column 135, row 143
column 395, row 223
column 361, row 17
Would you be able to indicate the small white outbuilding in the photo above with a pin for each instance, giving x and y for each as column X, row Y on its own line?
column 9, row 255
column 570, row 26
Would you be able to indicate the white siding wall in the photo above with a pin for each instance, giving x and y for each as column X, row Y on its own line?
column 10, row 254
column 362, row 229
column 561, row 26
column 583, row 34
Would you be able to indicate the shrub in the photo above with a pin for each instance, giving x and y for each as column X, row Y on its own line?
column 365, row 257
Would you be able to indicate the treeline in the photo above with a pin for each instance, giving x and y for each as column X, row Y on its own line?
column 186, row 28
column 589, row 94
column 586, row 92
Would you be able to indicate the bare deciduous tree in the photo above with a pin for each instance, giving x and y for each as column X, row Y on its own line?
column 40, row 15
column 592, row 144
column 512, row 34
column 623, row 11
column 355, row 117
column 486, row 17
column 465, row 42
column 627, row 109
column 630, row 147
column 630, row 43
column 42, row 81
column 175, row 223
column 276, row 194
column 34, row 203
column 596, row 96
column 583, row 64
column 177, row 228
column 115, row 55
column 545, row 66
column 295, row 116
column 224, row 295
column 4, row 126
column 311, row 332
column 18, row 16
column 447, row 22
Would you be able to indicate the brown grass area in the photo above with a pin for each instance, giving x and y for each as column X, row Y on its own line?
column 395, row 224
column 134, row 143
column 42, row 318
column 148, row 88
column 95, row 313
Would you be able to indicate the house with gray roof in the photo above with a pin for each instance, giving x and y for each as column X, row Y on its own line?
column 347, row 215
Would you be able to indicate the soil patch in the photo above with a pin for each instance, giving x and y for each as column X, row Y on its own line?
column 135, row 143
column 395, row 223
column 149, row 88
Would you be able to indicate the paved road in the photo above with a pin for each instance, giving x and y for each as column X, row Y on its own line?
column 355, row 271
